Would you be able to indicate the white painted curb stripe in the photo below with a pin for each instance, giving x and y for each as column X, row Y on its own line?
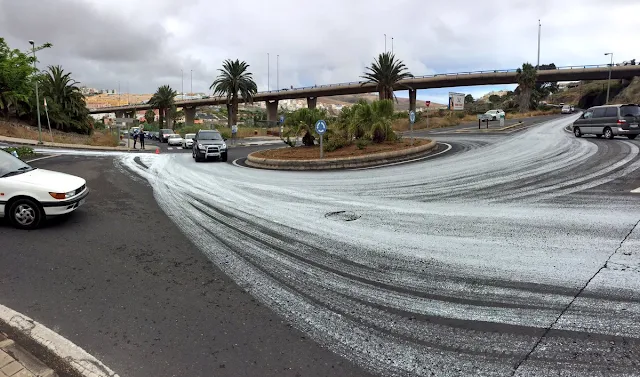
column 636, row 191
column 449, row 146
column 77, row 358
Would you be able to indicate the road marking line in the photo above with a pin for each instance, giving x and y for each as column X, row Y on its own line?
column 169, row 148
column 636, row 191
column 235, row 163
column 449, row 146
column 42, row 158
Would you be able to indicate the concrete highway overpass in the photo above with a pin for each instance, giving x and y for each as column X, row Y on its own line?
column 445, row 80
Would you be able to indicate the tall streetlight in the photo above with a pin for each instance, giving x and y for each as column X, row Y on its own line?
column 385, row 43
column 392, row 45
column 33, row 48
column 539, row 30
column 182, row 85
column 268, row 72
column 609, row 81
column 277, row 72
column 191, row 82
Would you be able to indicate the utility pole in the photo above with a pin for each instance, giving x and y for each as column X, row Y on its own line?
column 33, row 48
column 277, row 72
column 385, row 43
column 609, row 81
column 539, row 31
column 268, row 72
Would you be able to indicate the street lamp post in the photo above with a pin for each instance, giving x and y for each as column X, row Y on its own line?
column 539, row 30
column 182, row 85
column 268, row 73
column 33, row 48
column 191, row 91
column 609, row 81
column 385, row 43
column 392, row 45
column 277, row 72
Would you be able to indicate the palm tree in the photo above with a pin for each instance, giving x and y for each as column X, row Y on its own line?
column 65, row 103
column 385, row 73
column 375, row 120
column 304, row 120
column 163, row 99
column 233, row 79
column 526, row 78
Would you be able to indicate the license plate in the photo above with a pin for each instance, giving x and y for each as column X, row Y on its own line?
column 634, row 125
column 82, row 202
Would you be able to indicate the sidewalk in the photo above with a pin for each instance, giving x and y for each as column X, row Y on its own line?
column 16, row 362
column 15, row 140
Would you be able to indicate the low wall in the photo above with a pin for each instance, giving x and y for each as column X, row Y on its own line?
column 341, row 162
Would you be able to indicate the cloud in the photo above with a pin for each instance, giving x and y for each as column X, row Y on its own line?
column 142, row 44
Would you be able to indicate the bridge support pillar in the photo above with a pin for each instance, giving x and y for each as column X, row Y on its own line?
column 412, row 99
column 311, row 102
column 189, row 115
column 119, row 114
column 272, row 111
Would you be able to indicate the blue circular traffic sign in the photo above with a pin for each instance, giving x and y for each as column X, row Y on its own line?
column 412, row 116
column 281, row 118
column 321, row 126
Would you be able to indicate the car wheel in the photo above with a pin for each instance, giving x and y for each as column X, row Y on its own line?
column 599, row 136
column 576, row 131
column 608, row 133
column 198, row 158
column 193, row 154
column 493, row 118
column 25, row 214
column 224, row 157
column 631, row 137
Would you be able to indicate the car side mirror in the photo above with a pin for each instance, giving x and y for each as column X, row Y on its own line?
column 224, row 139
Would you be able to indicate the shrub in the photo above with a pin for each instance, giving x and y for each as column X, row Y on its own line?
column 335, row 143
column 362, row 143
column 21, row 151
column 460, row 114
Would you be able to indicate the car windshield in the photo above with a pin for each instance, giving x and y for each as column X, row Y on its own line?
column 189, row 136
column 630, row 110
column 166, row 131
column 209, row 136
column 566, row 107
column 9, row 165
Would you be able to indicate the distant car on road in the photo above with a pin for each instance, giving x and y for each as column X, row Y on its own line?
column 163, row 133
column 174, row 139
column 207, row 144
column 187, row 142
column 495, row 114
column 609, row 121
column 567, row 109
column 30, row 194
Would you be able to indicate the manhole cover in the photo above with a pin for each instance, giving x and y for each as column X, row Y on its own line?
column 342, row 215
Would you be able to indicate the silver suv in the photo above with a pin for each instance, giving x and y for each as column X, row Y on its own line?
column 609, row 121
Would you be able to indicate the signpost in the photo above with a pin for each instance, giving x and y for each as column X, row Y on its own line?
column 412, row 119
column 321, row 128
column 483, row 118
column 281, row 125
column 234, row 132
column 427, row 103
column 501, row 121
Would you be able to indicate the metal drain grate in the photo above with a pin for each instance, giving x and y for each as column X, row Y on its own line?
column 342, row 215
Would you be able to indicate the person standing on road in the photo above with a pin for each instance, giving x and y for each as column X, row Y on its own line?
column 135, row 140
column 141, row 139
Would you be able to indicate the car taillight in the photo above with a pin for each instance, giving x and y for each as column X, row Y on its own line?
column 621, row 121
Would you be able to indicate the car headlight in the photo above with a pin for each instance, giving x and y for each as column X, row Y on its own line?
column 224, row 146
column 62, row 195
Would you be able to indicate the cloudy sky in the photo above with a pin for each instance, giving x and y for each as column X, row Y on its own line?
column 142, row 44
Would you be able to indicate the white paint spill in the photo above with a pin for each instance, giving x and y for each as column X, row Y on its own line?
column 456, row 265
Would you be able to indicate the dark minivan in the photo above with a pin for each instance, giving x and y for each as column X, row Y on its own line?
column 609, row 121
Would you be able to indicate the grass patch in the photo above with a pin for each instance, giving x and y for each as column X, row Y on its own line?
column 23, row 131
column 354, row 149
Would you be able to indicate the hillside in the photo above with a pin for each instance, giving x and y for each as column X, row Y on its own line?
column 402, row 104
column 592, row 93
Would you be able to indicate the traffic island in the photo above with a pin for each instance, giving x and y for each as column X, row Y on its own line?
column 349, row 157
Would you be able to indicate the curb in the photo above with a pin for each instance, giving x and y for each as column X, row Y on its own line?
column 340, row 163
column 46, row 144
column 60, row 354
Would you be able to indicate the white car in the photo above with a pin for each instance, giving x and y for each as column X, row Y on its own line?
column 187, row 143
column 495, row 114
column 28, row 195
column 174, row 139
column 567, row 109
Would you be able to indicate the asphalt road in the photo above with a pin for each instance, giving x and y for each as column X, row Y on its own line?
column 516, row 254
